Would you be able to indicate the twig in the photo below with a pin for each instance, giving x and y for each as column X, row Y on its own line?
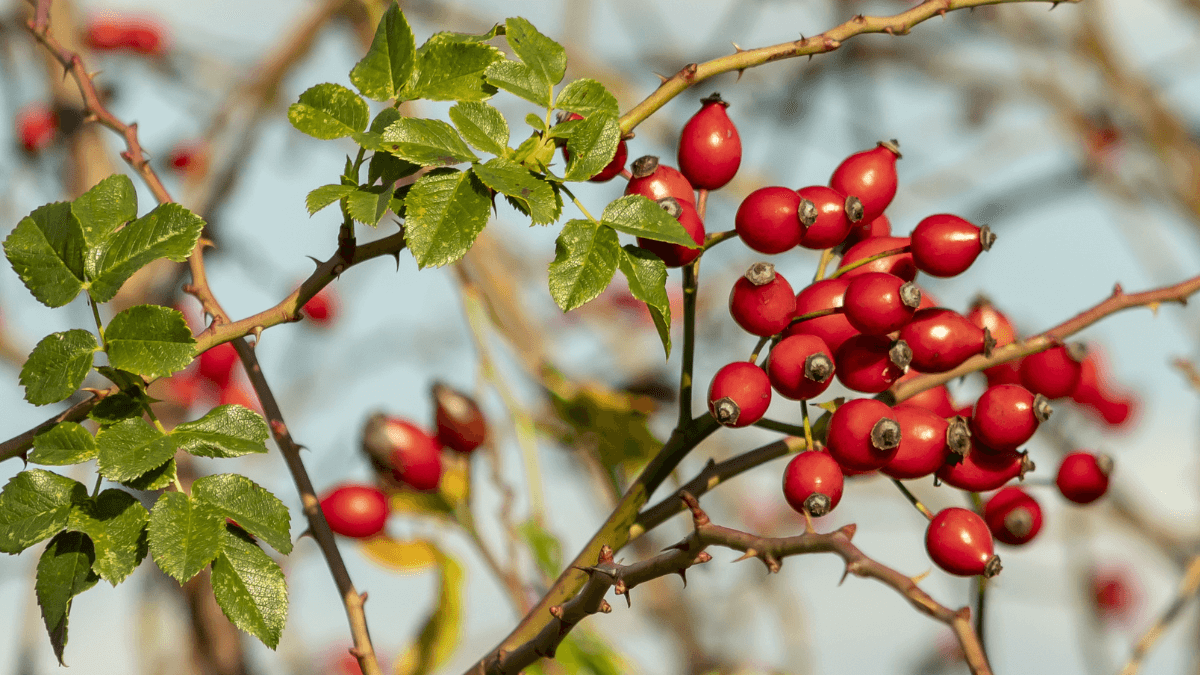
column 606, row 573
column 1187, row 590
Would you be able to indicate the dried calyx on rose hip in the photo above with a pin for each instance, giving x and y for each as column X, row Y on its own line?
column 813, row 483
column 762, row 302
column 460, row 423
column 1013, row 516
column 863, row 434
column 879, row 303
column 924, row 443
column 870, row 176
column 739, row 394
column 800, row 367
column 835, row 214
column 710, row 150
column 871, row 363
column 654, row 180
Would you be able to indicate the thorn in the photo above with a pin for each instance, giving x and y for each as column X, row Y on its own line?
column 663, row 78
column 315, row 261
column 605, row 608
column 362, row 597
column 621, row 589
column 922, row 576
column 848, row 531
column 354, row 652
column 396, row 255
column 606, row 554
column 740, row 72
column 206, row 243
column 845, row 573
column 681, row 546
column 750, row 553
column 1154, row 307
column 738, row 49
column 1052, row 6
column 1117, row 290
column 306, row 533
column 859, row 18
column 702, row 557
column 682, row 572
column 257, row 330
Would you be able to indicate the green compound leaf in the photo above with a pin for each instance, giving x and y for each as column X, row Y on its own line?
column 426, row 142
column 169, row 231
column 328, row 111
column 518, row 78
column 647, row 276
column 482, row 126
column 389, row 62
column 119, row 406
column 185, row 535
column 634, row 214
column 254, row 508
column 388, row 168
column 115, row 521
column 157, row 478
column 544, row 56
column 592, row 146
column 537, row 122
column 585, row 259
column 368, row 204
column 63, row 572
column 536, row 196
column 46, row 250
column 62, row 444
column 250, row 587
column 445, row 211
column 33, row 506
column 101, row 210
column 451, row 38
column 326, row 195
column 131, row 448
column 149, row 340
column 452, row 71
column 226, row 431
column 586, row 97
column 57, row 366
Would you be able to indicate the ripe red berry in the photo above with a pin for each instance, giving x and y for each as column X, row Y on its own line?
column 871, row 363
column 866, row 229
column 710, row 150
column 413, row 456
column 1007, row 415
column 941, row 339
column 762, row 302
column 959, row 542
column 460, row 423
column 900, row 264
column 1096, row 391
column 739, row 395
column 870, row 176
column 1115, row 594
column 800, row 367
column 655, row 181
column 835, row 215
column 1013, row 516
column 357, row 511
column 813, row 482
column 614, row 168
column 985, row 315
column 188, row 158
column 322, row 308
column 936, row 399
column 1083, row 476
column 139, row 35
column 675, row 255
column 945, row 246
column 879, row 303
column 768, row 220
column 217, row 364
column 863, row 434
column 1053, row 373
column 981, row 471
column 827, row 294
column 37, row 125
column 924, row 445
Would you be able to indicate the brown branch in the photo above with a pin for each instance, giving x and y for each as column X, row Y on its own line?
column 1188, row 588
column 1116, row 302
column 899, row 24
column 606, row 573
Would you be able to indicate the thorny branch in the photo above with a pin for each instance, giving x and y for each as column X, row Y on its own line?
column 1187, row 591
column 606, row 573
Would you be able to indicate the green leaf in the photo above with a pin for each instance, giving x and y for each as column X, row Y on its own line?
column 634, row 214
column 586, row 96
column 515, row 181
column 253, row 508
column 63, row 572
column 544, row 56
column 46, row 250
column 328, row 111
column 585, row 259
column 446, row 211
column 451, row 38
column 546, row 549
column 592, row 146
column 226, row 431
column 452, row 71
column 157, row 478
column 249, row 587
column 185, row 535
column 169, row 231
column 647, row 276
column 517, row 78
column 115, row 521
column 537, row 122
column 62, row 444
column 33, row 506
column 426, row 142
column 149, row 340
column 368, row 204
column 439, row 636
column 57, row 366
column 326, row 195
column 101, row 210
column 482, row 126
column 131, row 448
column 387, row 168
column 125, row 381
column 389, row 62
column 116, row 407
column 535, row 152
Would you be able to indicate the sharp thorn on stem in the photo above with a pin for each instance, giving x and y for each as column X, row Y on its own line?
column 682, row 572
column 750, row 553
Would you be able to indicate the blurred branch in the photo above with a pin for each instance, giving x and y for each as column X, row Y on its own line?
column 1187, row 591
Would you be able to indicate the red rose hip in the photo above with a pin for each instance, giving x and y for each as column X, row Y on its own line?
column 878, row 303
column 870, row 176
column 863, row 434
column 923, row 443
column 676, row 255
column 959, row 542
column 357, row 511
column 414, row 457
column 941, row 339
column 460, row 423
column 768, row 220
column 871, row 363
column 900, row 264
column 762, row 302
column 945, row 246
column 710, row 150
column 739, row 395
column 1013, row 516
column 835, row 214
column 823, row 296
column 1007, row 415
column 800, row 367
column 1055, row 372
column 655, row 181
column 1083, row 476
column 812, row 483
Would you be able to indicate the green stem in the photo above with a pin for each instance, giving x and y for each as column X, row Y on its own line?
column 762, row 342
column 870, row 259
column 783, row 427
column 579, row 205
column 808, row 439
column 981, row 585
column 96, row 316
column 96, row 490
column 691, row 284
column 826, row 258
column 913, row 498
column 718, row 237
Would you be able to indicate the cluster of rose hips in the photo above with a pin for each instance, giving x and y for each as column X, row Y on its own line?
column 870, row 326
column 409, row 455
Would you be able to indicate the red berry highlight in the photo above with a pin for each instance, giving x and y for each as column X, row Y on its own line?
column 710, row 150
